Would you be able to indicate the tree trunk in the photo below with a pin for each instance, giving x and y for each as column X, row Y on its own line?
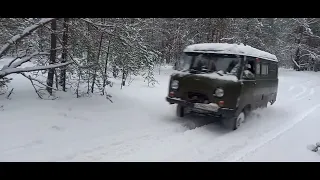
column 246, row 34
column 124, row 76
column 106, row 67
column 41, row 40
column 64, row 53
column 52, row 56
column 296, row 60
column 96, row 64
column 88, row 61
column 297, row 53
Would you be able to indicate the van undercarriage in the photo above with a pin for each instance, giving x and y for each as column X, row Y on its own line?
column 203, row 108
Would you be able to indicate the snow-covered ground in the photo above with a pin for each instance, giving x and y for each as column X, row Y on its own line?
column 141, row 126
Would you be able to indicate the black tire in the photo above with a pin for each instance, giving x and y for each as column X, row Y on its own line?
column 247, row 110
column 265, row 104
column 272, row 102
column 180, row 110
column 235, row 122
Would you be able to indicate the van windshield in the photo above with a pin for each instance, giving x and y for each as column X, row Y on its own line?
column 209, row 62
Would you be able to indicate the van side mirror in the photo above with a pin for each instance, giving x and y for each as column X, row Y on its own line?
column 248, row 74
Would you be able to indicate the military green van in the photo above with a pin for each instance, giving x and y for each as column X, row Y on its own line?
column 223, row 80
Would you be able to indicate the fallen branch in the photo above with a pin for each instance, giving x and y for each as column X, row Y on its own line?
column 13, row 61
column 8, row 71
column 108, row 96
column 97, row 24
column 25, row 33
column 26, row 59
column 35, row 88
column 10, row 93
column 33, row 79
column 295, row 62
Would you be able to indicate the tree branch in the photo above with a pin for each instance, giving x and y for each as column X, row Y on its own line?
column 13, row 61
column 25, row 33
column 35, row 89
column 97, row 24
column 34, row 79
column 26, row 59
column 8, row 71
column 60, row 41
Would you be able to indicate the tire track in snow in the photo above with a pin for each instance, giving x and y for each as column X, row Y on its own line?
column 292, row 88
column 94, row 139
column 224, row 152
column 298, row 119
column 125, row 145
column 126, row 148
column 164, row 143
column 23, row 146
column 311, row 92
column 130, row 149
column 304, row 90
column 233, row 144
column 304, row 93
column 173, row 145
column 303, row 86
column 277, row 135
column 209, row 146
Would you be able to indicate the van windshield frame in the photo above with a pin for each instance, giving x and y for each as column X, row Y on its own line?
column 194, row 62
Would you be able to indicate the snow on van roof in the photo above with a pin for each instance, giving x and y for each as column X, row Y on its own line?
column 225, row 48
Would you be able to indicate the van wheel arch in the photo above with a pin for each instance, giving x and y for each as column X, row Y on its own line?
column 244, row 108
column 180, row 110
column 231, row 123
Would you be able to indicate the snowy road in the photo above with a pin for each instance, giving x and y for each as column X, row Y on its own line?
column 141, row 126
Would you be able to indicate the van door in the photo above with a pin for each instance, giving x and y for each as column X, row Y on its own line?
column 261, row 85
column 251, row 90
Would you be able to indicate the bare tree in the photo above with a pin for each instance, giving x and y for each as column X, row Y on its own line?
column 52, row 56
column 64, row 53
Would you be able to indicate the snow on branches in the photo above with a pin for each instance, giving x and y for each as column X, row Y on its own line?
column 27, row 31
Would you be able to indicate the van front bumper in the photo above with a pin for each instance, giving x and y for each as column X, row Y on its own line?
column 214, row 110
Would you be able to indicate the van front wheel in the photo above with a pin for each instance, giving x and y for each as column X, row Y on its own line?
column 180, row 110
column 235, row 122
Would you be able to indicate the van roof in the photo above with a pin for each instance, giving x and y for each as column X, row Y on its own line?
column 225, row 48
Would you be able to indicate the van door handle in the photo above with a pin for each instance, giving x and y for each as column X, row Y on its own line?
column 254, row 83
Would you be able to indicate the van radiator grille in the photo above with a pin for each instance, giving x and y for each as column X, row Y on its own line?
column 195, row 97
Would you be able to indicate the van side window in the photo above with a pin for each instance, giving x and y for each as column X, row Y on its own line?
column 273, row 70
column 249, row 68
column 258, row 67
column 264, row 69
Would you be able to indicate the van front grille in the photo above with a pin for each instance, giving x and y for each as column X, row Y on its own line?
column 195, row 97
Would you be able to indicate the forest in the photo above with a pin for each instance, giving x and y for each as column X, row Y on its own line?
column 82, row 54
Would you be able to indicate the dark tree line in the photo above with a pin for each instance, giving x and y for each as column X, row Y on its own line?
column 73, row 54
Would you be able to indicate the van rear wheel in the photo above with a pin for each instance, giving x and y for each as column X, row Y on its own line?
column 180, row 111
column 265, row 104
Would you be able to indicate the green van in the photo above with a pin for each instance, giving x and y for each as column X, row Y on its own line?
column 223, row 80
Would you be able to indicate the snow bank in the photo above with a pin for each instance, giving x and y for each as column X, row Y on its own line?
column 225, row 48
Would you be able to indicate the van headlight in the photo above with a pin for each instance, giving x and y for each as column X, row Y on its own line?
column 219, row 92
column 175, row 84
